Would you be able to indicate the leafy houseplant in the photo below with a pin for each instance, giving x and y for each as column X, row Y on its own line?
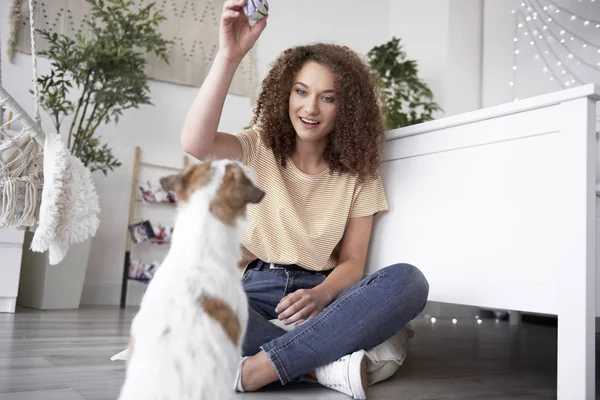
column 408, row 100
column 107, row 68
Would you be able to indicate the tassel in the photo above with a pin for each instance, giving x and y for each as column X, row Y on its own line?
column 30, row 206
column 9, row 203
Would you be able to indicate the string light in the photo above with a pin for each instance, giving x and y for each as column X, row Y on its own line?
column 526, row 22
column 563, row 28
column 539, row 50
column 574, row 57
column 572, row 16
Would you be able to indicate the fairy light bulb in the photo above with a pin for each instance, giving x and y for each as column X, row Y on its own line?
column 454, row 321
column 562, row 31
column 517, row 51
column 557, row 10
column 514, row 68
column 586, row 23
column 528, row 18
column 545, row 8
column 562, row 40
column 584, row 45
column 433, row 319
column 559, row 63
column 479, row 321
column 520, row 25
column 536, row 56
column 544, row 27
column 545, row 69
column 513, row 11
column 573, row 17
column 511, row 83
column 532, row 43
column 549, row 19
column 570, row 56
column 515, row 39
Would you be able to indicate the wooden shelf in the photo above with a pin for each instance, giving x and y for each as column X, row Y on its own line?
column 157, row 203
column 133, row 201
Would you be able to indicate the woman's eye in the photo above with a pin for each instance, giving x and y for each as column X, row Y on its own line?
column 301, row 92
column 328, row 99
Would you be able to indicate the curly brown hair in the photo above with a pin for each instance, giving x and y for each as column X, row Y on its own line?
column 356, row 143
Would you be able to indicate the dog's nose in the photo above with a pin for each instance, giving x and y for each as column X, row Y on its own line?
column 258, row 196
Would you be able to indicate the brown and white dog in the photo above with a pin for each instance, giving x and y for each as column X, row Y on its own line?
column 186, row 338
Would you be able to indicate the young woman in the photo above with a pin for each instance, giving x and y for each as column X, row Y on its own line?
column 315, row 145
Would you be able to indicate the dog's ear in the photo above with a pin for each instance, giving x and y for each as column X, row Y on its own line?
column 243, row 186
column 190, row 179
column 172, row 183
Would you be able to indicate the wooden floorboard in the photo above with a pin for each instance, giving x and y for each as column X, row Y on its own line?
column 66, row 355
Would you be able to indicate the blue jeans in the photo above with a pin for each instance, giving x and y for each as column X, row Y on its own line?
column 361, row 317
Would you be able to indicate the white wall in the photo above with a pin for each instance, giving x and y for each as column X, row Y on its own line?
column 445, row 38
column 156, row 129
column 422, row 26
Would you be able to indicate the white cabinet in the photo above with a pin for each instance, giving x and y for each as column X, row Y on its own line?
column 11, row 248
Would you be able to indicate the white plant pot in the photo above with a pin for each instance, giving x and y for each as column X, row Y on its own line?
column 52, row 287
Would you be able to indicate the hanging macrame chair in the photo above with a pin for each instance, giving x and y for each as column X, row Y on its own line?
column 49, row 191
column 21, row 175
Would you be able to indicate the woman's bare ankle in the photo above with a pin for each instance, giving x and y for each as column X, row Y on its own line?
column 257, row 371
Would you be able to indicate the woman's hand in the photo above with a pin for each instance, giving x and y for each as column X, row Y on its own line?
column 236, row 36
column 303, row 304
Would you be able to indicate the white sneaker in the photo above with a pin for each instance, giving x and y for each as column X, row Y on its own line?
column 237, row 385
column 347, row 375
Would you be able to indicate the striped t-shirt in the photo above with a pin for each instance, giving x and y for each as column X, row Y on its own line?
column 302, row 218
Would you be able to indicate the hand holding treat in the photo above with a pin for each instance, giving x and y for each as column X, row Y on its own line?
column 237, row 36
column 256, row 9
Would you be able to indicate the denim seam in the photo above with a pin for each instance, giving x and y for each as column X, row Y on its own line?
column 287, row 281
column 325, row 316
column 277, row 364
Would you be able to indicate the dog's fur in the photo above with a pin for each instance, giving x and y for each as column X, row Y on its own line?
column 186, row 338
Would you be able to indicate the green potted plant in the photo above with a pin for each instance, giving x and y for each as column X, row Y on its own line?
column 106, row 67
column 408, row 99
column 93, row 78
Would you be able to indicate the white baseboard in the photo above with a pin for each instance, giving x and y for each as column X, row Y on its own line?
column 8, row 304
column 109, row 294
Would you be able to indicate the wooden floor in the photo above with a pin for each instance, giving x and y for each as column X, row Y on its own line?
column 65, row 355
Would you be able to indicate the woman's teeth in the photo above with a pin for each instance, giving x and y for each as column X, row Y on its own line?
column 308, row 121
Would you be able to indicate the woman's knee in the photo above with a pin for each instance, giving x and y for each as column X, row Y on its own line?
column 409, row 278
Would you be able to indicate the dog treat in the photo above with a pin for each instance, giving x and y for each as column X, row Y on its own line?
column 256, row 9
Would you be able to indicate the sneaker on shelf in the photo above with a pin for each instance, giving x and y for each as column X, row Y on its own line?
column 347, row 375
